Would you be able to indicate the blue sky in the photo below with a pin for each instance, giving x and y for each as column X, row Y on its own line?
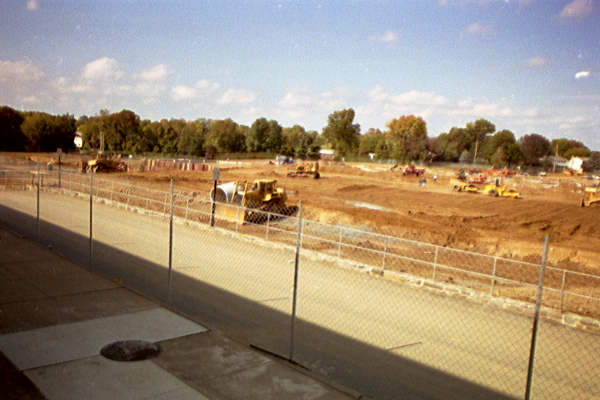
column 525, row 65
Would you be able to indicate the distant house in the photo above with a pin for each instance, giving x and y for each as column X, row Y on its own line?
column 576, row 164
column 78, row 140
column 327, row 154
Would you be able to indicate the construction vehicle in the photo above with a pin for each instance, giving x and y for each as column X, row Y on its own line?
column 591, row 195
column 251, row 202
column 305, row 170
column 462, row 186
column 490, row 189
column 500, row 191
column 103, row 163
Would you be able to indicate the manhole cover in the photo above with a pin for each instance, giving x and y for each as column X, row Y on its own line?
column 130, row 350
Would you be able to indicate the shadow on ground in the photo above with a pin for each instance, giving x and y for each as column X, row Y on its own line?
column 369, row 370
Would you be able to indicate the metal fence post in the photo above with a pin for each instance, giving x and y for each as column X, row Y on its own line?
column 340, row 244
column 91, row 246
column 296, row 264
column 493, row 277
column 171, row 244
column 562, row 290
column 387, row 239
column 435, row 261
column 37, row 220
column 267, row 226
column 538, row 304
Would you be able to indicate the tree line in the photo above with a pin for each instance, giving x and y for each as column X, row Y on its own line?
column 404, row 140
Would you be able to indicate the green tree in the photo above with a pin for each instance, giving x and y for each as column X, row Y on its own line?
column 534, row 146
column 477, row 131
column 407, row 138
column 264, row 136
column 300, row 144
column 369, row 141
column 193, row 135
column 453, row 144
column 47, row 132
column 567, row 148
column 225, row 136
column 501, row 149
column 341, row 132
column 11, row 136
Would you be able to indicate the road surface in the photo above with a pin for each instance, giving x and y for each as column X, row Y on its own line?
column 381, row 338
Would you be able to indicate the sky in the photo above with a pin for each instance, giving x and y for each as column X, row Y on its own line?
column 530, row 66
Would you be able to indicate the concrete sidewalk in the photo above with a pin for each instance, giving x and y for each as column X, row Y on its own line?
column 55, row 317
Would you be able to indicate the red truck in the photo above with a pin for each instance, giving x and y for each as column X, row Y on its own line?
column 412, row 170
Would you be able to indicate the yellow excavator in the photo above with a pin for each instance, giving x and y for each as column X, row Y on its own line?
column 251, row 202
column 591, row 195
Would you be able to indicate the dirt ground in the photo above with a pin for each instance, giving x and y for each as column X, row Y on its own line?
column 371, row 196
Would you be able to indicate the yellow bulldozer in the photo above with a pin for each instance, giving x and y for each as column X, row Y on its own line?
column 306, row 169
column 459, row 185
column 493, row 190
column 500, row 191
column 591, row 195
column 254, row 202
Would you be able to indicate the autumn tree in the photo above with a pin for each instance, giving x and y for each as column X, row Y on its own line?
column 341, row 132
column 407, row 138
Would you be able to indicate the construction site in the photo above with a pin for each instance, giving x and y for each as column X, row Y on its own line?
column 494, row 212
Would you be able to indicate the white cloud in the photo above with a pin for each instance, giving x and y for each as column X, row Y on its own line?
column 577, row 9
column 19, row 71
column 159, row 72
column 102, row 69
column 536, row 62
column 206, row 87
column 296, row 98
column 333, row 99
column 181, row 92
column 237, row 96
column 478, row 29
column 33, row 5
column 583, row 74
column 202, row 88
column 389, row 37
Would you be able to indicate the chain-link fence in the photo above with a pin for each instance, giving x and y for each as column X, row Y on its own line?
column 389, row 317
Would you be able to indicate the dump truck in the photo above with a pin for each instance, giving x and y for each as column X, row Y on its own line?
column 591, row 195
column 305, row 170
column 251, row 202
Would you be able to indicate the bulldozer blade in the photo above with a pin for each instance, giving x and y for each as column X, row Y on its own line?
column 229, row 213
